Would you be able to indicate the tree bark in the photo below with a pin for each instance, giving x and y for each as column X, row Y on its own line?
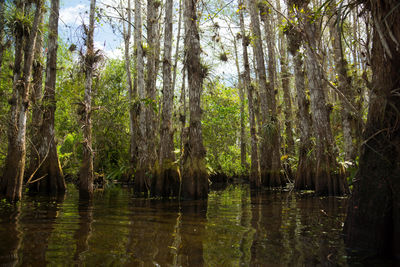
column 36, row 98
column 273, row 178
column 47, row 168
column 132, row 92
column 373, row 220
column 152, row 62
column 328, row 179
column 2, row 22
column 287, row 99
column 86, row 174
column 269, row 152
column 304, row 177
column 344, row 85
column 195, row 176
column 255, row 179
column 11, row 185
column 167, row 184
column 241, row 89
column 142, row 182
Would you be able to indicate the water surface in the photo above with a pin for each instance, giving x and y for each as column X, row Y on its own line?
column 235, row 227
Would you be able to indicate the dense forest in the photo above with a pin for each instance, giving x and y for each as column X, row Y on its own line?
column 283, row 95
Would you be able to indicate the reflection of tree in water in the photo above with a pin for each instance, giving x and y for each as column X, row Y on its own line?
column 84, row 231
column 151, row 232
column 295, row 230
column 228, row 231
column 267, row 220
column 38, row 222
column 10, row 232
column 192, row 233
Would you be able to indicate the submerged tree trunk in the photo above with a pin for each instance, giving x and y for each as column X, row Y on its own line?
column 167, row 184
column 304, row 177
column 255, row 179
column 49, row 177
column 86, row 171
column 142, row 182
column 195, row 176
column 373, row 220
column 11, row 185
column 328, row 179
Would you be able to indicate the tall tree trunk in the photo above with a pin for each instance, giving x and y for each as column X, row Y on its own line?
column 132, row 92
column 36, row 97
column 86, row 172
column 273, row 178
column 255, row 179
column 242, row 104
column 269, row 152
column 195, row 176
column 178, row 38
column 142, row 182
column 152, row 58
column 327, row 179
column 2, row 23
column 373, row 220
column 304, row 177
column 287, row 99
column 11, row 186
column 167, row 184
column 344, row 84
column 49, row 177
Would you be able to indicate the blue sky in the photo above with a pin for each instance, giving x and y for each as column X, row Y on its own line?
column 72, row 13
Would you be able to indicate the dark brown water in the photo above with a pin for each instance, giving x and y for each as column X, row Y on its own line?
column 232, row 228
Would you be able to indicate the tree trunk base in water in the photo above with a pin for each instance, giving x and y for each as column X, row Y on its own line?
column 304, row 179
column 167, row 182
column 329, row 180
column 194, row 179
column 49, row 178
column 11, row 183
column 272, row 179
column 142, row 182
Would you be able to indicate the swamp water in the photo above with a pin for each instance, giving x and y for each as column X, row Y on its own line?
column 235, row 227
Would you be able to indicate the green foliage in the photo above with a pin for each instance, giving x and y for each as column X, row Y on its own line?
column 111, row 121
column 221, row 129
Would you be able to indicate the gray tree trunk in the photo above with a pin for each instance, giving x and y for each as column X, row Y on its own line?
column 195, row 176
column 86, row 174
column 167, row 184
column 142, row 181
column 287, row 99
column 255, row 179
column 48, row 174
column 36, row 99
column 304, row 177
column 269, row 152
column 152, row 63
column 327, row 179
column 132, row 92
column 344, row 85
column 2, row 22
column 11, row 185
column 241, row 90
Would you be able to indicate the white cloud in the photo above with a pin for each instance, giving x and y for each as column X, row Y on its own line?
column 73, row 15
